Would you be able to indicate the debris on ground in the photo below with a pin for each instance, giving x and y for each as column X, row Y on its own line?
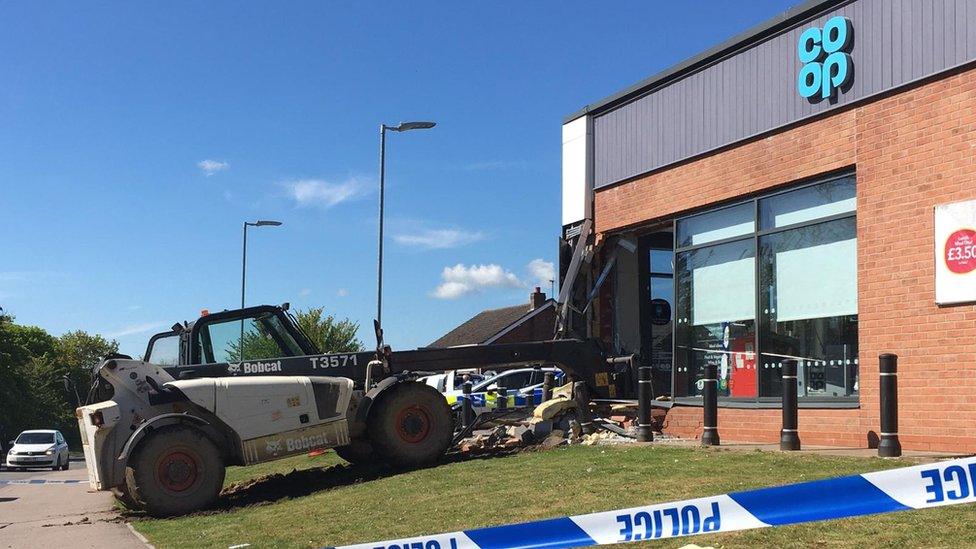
column 562, row 420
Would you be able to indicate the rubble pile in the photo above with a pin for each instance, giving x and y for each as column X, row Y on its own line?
column 562, row 420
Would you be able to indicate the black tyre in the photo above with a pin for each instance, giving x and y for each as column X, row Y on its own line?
column 174, row 470
column 67, row 463
column 410, row 425
column 122, row 494
column 358, row 452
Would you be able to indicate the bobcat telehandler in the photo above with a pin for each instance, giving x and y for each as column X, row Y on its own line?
column 246, row 386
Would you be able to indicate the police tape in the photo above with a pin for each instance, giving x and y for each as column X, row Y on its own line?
column 918, row 487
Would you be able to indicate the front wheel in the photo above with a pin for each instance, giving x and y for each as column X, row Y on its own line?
column 410, row 425
column 175, row 470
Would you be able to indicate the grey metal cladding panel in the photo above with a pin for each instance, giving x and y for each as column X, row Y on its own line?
column 754, row 91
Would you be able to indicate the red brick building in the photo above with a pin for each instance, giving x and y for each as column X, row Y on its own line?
column 765, row 201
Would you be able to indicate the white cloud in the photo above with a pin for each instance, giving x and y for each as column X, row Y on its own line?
column 135, row 329
column 461, row 280
column 542, row 271
column 342, row 292
column 317, row 192
column 211, row 167
column 439, row 239
column 304, row 292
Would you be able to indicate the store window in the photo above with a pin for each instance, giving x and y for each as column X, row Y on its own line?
column 767, row 280
column 809, row 300
column 716, row 288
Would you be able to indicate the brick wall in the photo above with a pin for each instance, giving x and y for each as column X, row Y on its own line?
column 911, row 151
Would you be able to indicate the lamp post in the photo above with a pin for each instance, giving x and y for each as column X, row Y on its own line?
column 262, row 223
column 401, row 127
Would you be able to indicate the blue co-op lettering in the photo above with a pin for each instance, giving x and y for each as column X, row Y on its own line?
column 825, row 54
column 953, row 483
column 685, row 520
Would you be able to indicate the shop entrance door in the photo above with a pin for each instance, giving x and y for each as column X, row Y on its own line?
column 657, row 306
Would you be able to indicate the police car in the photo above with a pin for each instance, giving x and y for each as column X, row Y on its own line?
column 518, row 384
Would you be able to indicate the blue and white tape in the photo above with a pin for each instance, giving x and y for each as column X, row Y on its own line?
column 917, row 487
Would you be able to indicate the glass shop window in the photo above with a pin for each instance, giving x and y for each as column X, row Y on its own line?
column 808, row 204
column 715, row 321
column 718, row 225
column 809, row 308
column 750, row 293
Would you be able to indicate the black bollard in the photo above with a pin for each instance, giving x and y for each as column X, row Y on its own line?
column 644, row 390
column 501, row 395
column 582, row 396
column 710, row 406
column 889, row 446
column 547, row 382
column 467, row 411
column 789, row 438
column 530, row 399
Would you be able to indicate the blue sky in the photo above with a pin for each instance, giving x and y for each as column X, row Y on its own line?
column 136, row 137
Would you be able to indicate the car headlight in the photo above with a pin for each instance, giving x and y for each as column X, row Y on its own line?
column 49, row 451
column 12, row 452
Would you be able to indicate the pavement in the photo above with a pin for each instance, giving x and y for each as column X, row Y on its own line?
column 57, row 513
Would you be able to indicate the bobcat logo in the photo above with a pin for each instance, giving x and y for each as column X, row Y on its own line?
column 233, row 368
column 274, row 446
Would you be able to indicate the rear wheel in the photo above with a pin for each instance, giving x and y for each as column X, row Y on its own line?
column 357, row 452
column 410, row 425
column 175, row 470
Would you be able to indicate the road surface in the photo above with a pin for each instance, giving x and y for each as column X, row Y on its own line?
column 58, row 514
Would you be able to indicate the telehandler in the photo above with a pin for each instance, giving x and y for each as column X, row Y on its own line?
column 247, row 386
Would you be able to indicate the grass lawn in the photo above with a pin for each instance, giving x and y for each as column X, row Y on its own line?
column 354, row 504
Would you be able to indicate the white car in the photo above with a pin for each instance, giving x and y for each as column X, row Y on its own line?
column 39, row 448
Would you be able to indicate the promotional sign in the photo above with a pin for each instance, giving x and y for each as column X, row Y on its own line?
column 955, row 253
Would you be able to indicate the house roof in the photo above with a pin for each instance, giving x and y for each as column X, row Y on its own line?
column 482, row 327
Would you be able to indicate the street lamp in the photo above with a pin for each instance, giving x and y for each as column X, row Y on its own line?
column 261, row 223
column 401, row 127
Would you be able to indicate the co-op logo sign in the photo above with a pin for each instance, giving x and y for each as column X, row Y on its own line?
column 825, row 54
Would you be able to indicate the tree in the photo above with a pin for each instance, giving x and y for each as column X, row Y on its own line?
column 33, row 365
column 328, row 334
column 77, row 354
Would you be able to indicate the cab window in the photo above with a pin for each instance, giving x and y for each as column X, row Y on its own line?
column 236, row 340
column 164, row 350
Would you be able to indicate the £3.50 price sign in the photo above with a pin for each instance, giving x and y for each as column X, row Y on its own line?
column 960, row 251
column 955, row 253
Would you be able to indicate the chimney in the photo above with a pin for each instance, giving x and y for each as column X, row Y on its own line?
column 536, row 299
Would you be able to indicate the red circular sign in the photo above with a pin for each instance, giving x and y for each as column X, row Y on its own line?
column 960, row 251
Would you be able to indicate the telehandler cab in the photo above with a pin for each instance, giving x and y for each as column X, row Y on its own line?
column 246, row 386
